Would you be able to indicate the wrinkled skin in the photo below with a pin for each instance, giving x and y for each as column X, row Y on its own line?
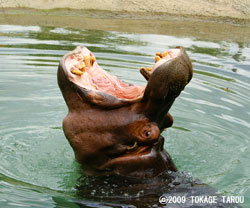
column 119, row 136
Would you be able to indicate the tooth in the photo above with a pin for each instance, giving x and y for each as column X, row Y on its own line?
column 157, row 58
column 92, row 60
column 165, row 54
column 145, row 72
column 149, row 68
column 82, row 64
column 87, row 60
column 77, row 72
column 158, row 54
column 82, row 67
column 146, row 68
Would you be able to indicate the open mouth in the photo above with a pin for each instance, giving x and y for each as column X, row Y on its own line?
column 83, row 70
column 115, row 125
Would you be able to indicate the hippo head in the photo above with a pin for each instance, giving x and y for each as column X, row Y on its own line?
column 114, row 127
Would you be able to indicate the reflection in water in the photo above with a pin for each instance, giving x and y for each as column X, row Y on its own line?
column 210, row 136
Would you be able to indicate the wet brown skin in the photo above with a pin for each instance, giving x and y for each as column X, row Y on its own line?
column 118, row 136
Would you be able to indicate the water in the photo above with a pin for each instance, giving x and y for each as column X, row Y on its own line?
column 210, row 136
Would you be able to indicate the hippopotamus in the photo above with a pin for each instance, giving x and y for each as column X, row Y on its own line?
column 115, row 127
column 115, row 130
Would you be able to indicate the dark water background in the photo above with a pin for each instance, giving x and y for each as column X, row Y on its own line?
column 210, row 136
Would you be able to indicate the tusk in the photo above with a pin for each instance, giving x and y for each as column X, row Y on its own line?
column 157, row 58
column 87, row 61
column 165, row 54
column 146, row 72
column 92, row 60
column 159, row 54
column 82, row 67
column 77, row 72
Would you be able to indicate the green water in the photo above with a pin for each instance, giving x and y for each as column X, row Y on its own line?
column 210, row 136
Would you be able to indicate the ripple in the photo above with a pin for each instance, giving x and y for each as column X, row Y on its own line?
column 234, row 120
column 204, row 102
column 18, row 28
column 64, row 31
column 210, row 136
column 232, row 102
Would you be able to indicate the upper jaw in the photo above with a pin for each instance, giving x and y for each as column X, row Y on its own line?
column 87, row 77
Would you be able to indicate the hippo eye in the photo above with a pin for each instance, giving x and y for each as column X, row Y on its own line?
column 148, row 133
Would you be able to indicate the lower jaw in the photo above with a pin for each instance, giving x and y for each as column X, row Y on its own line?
column 146, row 162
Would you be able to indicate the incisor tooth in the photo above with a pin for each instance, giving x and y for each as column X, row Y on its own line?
column 77, row 72
column 165, row 54
column 82, row 67
column 87, row 60
column 82, row 64
column 149, row 68
column 158, row 54
column 157, row 58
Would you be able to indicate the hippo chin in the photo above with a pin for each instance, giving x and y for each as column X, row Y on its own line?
column 114, row 127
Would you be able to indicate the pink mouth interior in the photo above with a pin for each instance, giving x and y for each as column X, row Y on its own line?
column 95, row 78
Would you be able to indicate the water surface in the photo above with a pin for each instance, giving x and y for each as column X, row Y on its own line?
column 210, row 136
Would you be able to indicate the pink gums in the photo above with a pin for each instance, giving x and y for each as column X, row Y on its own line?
column 95, row 78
